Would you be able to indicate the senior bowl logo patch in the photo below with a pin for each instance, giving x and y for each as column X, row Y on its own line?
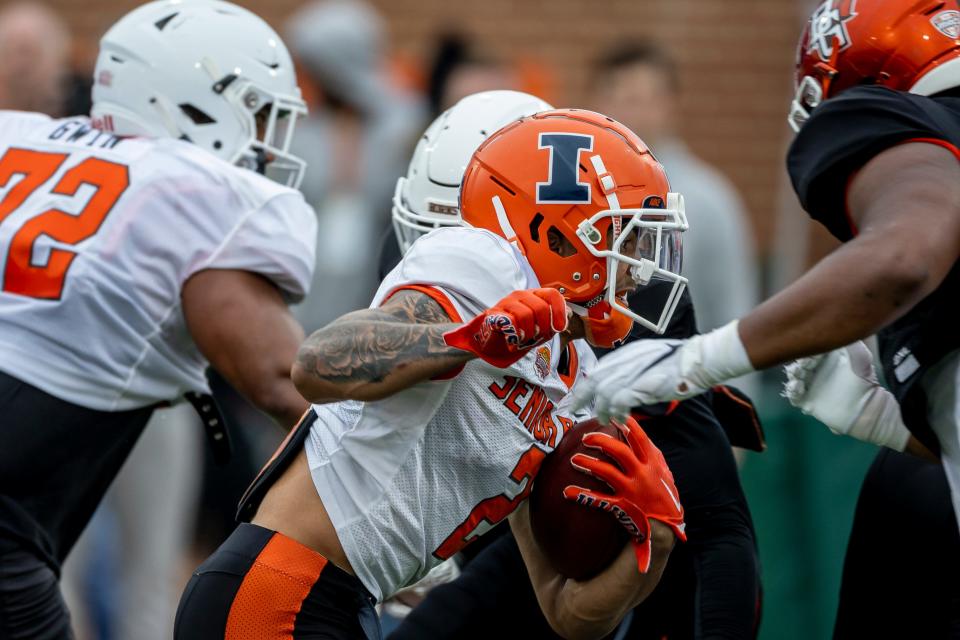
column 542, row 363
column 947, row 23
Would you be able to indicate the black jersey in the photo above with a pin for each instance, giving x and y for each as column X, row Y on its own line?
column 390, row 254
column 842, row 135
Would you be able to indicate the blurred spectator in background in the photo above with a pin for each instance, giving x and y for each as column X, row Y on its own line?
column 36, row 73
column 356, row 141
column 460, row 68
column 638, row 85
column 34, row 56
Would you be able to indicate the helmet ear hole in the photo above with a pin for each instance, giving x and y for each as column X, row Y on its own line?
column 162, row 22
column 195, row 114
column 560, row 244
column 535, row 226
column 503, row 186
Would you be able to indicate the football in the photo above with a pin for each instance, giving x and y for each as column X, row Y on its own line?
column 579, row 541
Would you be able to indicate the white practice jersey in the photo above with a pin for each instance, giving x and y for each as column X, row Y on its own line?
column 409, row 480
column 98, row 235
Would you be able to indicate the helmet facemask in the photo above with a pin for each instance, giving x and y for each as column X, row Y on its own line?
column 808, row 97
column 649, row 241
column 410, row 225
column 269, row 120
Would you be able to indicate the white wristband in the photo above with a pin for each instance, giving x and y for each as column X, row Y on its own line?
column 723, row 355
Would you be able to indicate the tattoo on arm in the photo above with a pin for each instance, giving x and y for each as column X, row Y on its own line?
column 405, row 334
column 414, row 307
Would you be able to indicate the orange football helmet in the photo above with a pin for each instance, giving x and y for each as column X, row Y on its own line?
column 909, row 45
column 571, row 189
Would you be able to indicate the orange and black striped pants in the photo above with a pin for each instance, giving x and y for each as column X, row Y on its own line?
column 262, row 585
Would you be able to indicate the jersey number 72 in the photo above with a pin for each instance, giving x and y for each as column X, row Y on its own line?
column 21, row 275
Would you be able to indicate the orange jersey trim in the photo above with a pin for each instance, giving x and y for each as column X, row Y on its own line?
column 446, row 304
column 949, row 146
column 435, row 294
column 671, row 407
column 725, row 391
column 755, row 422
column 272, row 592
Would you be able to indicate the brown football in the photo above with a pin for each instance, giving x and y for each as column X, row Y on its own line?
column 579, row 541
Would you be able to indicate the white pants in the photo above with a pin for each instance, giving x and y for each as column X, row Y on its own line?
column 942, row 386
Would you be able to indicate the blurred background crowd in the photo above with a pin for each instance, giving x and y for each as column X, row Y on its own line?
column 706, row 83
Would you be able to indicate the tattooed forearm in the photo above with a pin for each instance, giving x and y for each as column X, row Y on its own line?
column 369, row 351
column 373, row 353
column 414, row 307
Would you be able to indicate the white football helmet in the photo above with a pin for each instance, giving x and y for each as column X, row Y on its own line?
column 205, row 71
column 428, row 197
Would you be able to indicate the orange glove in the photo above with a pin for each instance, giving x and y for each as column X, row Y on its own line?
column 643, row 490
column 505, row 332
column 605, row 326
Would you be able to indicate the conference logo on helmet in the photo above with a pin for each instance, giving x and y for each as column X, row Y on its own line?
column 436, row 207
column 103, row 124
column 542, row 363
column 828, row 27
column 948, row 23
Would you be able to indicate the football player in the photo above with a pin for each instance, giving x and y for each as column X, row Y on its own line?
column 434, row 408
column 875, row 160
column 917, row 596
column 136, row 247
column 427, row 198
column 712, row 582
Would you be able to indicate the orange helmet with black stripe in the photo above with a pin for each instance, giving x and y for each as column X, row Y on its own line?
column 578, row 194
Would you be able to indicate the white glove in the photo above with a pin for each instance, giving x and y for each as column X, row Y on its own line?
column 840, row 389
column 648, row 372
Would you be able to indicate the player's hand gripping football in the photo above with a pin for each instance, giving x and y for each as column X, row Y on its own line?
column 505, row 332
column 643, row 486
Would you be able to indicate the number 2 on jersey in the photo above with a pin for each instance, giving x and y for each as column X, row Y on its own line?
column 109, row 180
column 493, row 510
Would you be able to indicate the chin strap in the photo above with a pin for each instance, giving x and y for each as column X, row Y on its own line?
column 605, row 327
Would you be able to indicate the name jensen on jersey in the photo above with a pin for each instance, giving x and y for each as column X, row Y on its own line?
column 81, row 132
column 536, row 415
